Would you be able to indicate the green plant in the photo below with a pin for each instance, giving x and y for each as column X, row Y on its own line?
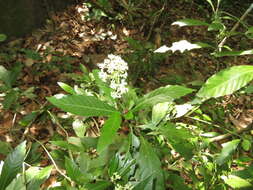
column 8, row 91
column 141, row 143
column 125, row 140
column 17, row 174
column 221, row 37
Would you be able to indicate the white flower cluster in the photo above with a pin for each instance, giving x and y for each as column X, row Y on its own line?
column 125, row 187
column 114, row 71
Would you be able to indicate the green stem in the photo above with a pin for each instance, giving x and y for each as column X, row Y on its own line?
column 236, row 26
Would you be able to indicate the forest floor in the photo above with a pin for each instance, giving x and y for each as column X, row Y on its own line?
column 53, row 54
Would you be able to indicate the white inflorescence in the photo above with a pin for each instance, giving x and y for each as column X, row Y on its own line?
column 114, row 71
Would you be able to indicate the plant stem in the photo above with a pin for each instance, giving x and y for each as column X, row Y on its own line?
column 52, row 160
column 236, row 25
column 225, row 136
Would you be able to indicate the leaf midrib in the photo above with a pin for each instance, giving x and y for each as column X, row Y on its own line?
column 87, row 107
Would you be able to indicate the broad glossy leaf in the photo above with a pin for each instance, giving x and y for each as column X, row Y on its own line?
column 17, row 183
column 144, row 184
column 190, row 22
column 237, row 182
column 82, row 105
column 233, row 53
column 159, row 112
column 150, row 165
column 12, row 165
column 109, row 132
column 160, row 95
column 179, row 138
column 227, row 151
column 226, row 81
column 39, row 178
column 246, row 173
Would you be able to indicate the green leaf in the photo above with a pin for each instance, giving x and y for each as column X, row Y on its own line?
column 190, row 22
column 109, row 131
column 211, row 4
column 159, row 111
column 246, row 144
column 17, row 183
column 26, row 120
column 249, row 33
column 3, row 37
column 233, row 53
column 79, row 128
column 9, row 99
column 14, row 73
column 4, row 74
column 237, row 182
column 66, row 88
column 99, row 185
column 73, row 171
column 150, row 165
column 227, row 151
column 250, row 30
column 105, row 4
column 226, row 81
column 84, row 69
column 135, row 44
column 123, row 164
column 82, row 105
column 39, row 178
column 12, row 165
column 246, row 173
column 215, row 26
column 179, row 138
column 5, row 148
column 66, row 145
column 144, row 184
column 160, row 95
column 249, row 89
column 178, row 182
column 9, row 77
